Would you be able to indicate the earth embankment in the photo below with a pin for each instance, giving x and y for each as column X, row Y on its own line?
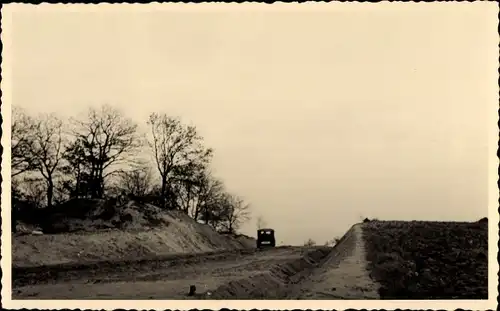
column 98, row 231
column 428, row 260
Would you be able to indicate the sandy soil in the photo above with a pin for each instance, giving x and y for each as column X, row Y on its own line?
column 170, row 280
column 289, row 272
column 181, row 234
column 344, row 273
column 273, row 273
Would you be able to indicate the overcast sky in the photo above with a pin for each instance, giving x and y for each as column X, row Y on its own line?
column 316, row 118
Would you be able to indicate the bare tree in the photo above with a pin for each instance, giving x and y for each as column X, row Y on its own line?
column 185, row 184
column 22, row 128
column 34, row 191
column 27, row 197
column 209, row 194
column 234, row 213
column 76, row 171
column 105, row 140
column 136, row 182
column 45, row 150
column 178, row 151
column 186, row 193
column 199, row 195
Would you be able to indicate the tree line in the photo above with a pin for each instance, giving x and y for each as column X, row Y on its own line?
column 105, row 154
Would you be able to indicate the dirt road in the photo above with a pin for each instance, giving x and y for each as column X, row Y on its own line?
column 274, row 273
column 168, row 278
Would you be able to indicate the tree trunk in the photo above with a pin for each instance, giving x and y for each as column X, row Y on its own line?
column 92, row 182
column 164, row 191
column 99, row 181
column 50, row 192
column 78, row 187
column 205, row 211
column 196, row 213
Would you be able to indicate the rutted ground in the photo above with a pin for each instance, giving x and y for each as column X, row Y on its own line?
column 276, row 282
column 274, row 273
column 154, row 279
column 338, row 273
column 373, row 260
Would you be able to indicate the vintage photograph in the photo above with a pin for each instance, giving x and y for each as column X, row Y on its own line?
column 340, row 151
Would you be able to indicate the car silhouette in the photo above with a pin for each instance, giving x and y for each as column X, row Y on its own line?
column 265, row 237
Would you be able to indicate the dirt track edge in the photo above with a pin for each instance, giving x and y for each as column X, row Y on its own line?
column 283, row 280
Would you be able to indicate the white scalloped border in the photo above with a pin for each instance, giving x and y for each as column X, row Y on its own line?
column 493, row 215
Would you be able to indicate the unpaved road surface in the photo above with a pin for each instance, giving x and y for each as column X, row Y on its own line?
column 151, row 279
column 274, row 273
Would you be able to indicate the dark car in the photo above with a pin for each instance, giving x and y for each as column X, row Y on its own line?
column 265, row 237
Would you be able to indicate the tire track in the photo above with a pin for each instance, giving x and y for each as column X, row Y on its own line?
column 170, row 279
column 101, row 270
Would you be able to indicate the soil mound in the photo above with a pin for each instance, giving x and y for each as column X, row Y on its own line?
column 97, row 230
column 428, row 260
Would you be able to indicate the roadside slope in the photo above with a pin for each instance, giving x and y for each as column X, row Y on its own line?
column 343, row 274
column 321, row 273
column 428, row 260
column 276, row 281
column 173, row 233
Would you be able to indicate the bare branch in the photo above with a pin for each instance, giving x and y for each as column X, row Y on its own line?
column 44, row 150
column 179, row 154
column 104, row 140
column 21, row 140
